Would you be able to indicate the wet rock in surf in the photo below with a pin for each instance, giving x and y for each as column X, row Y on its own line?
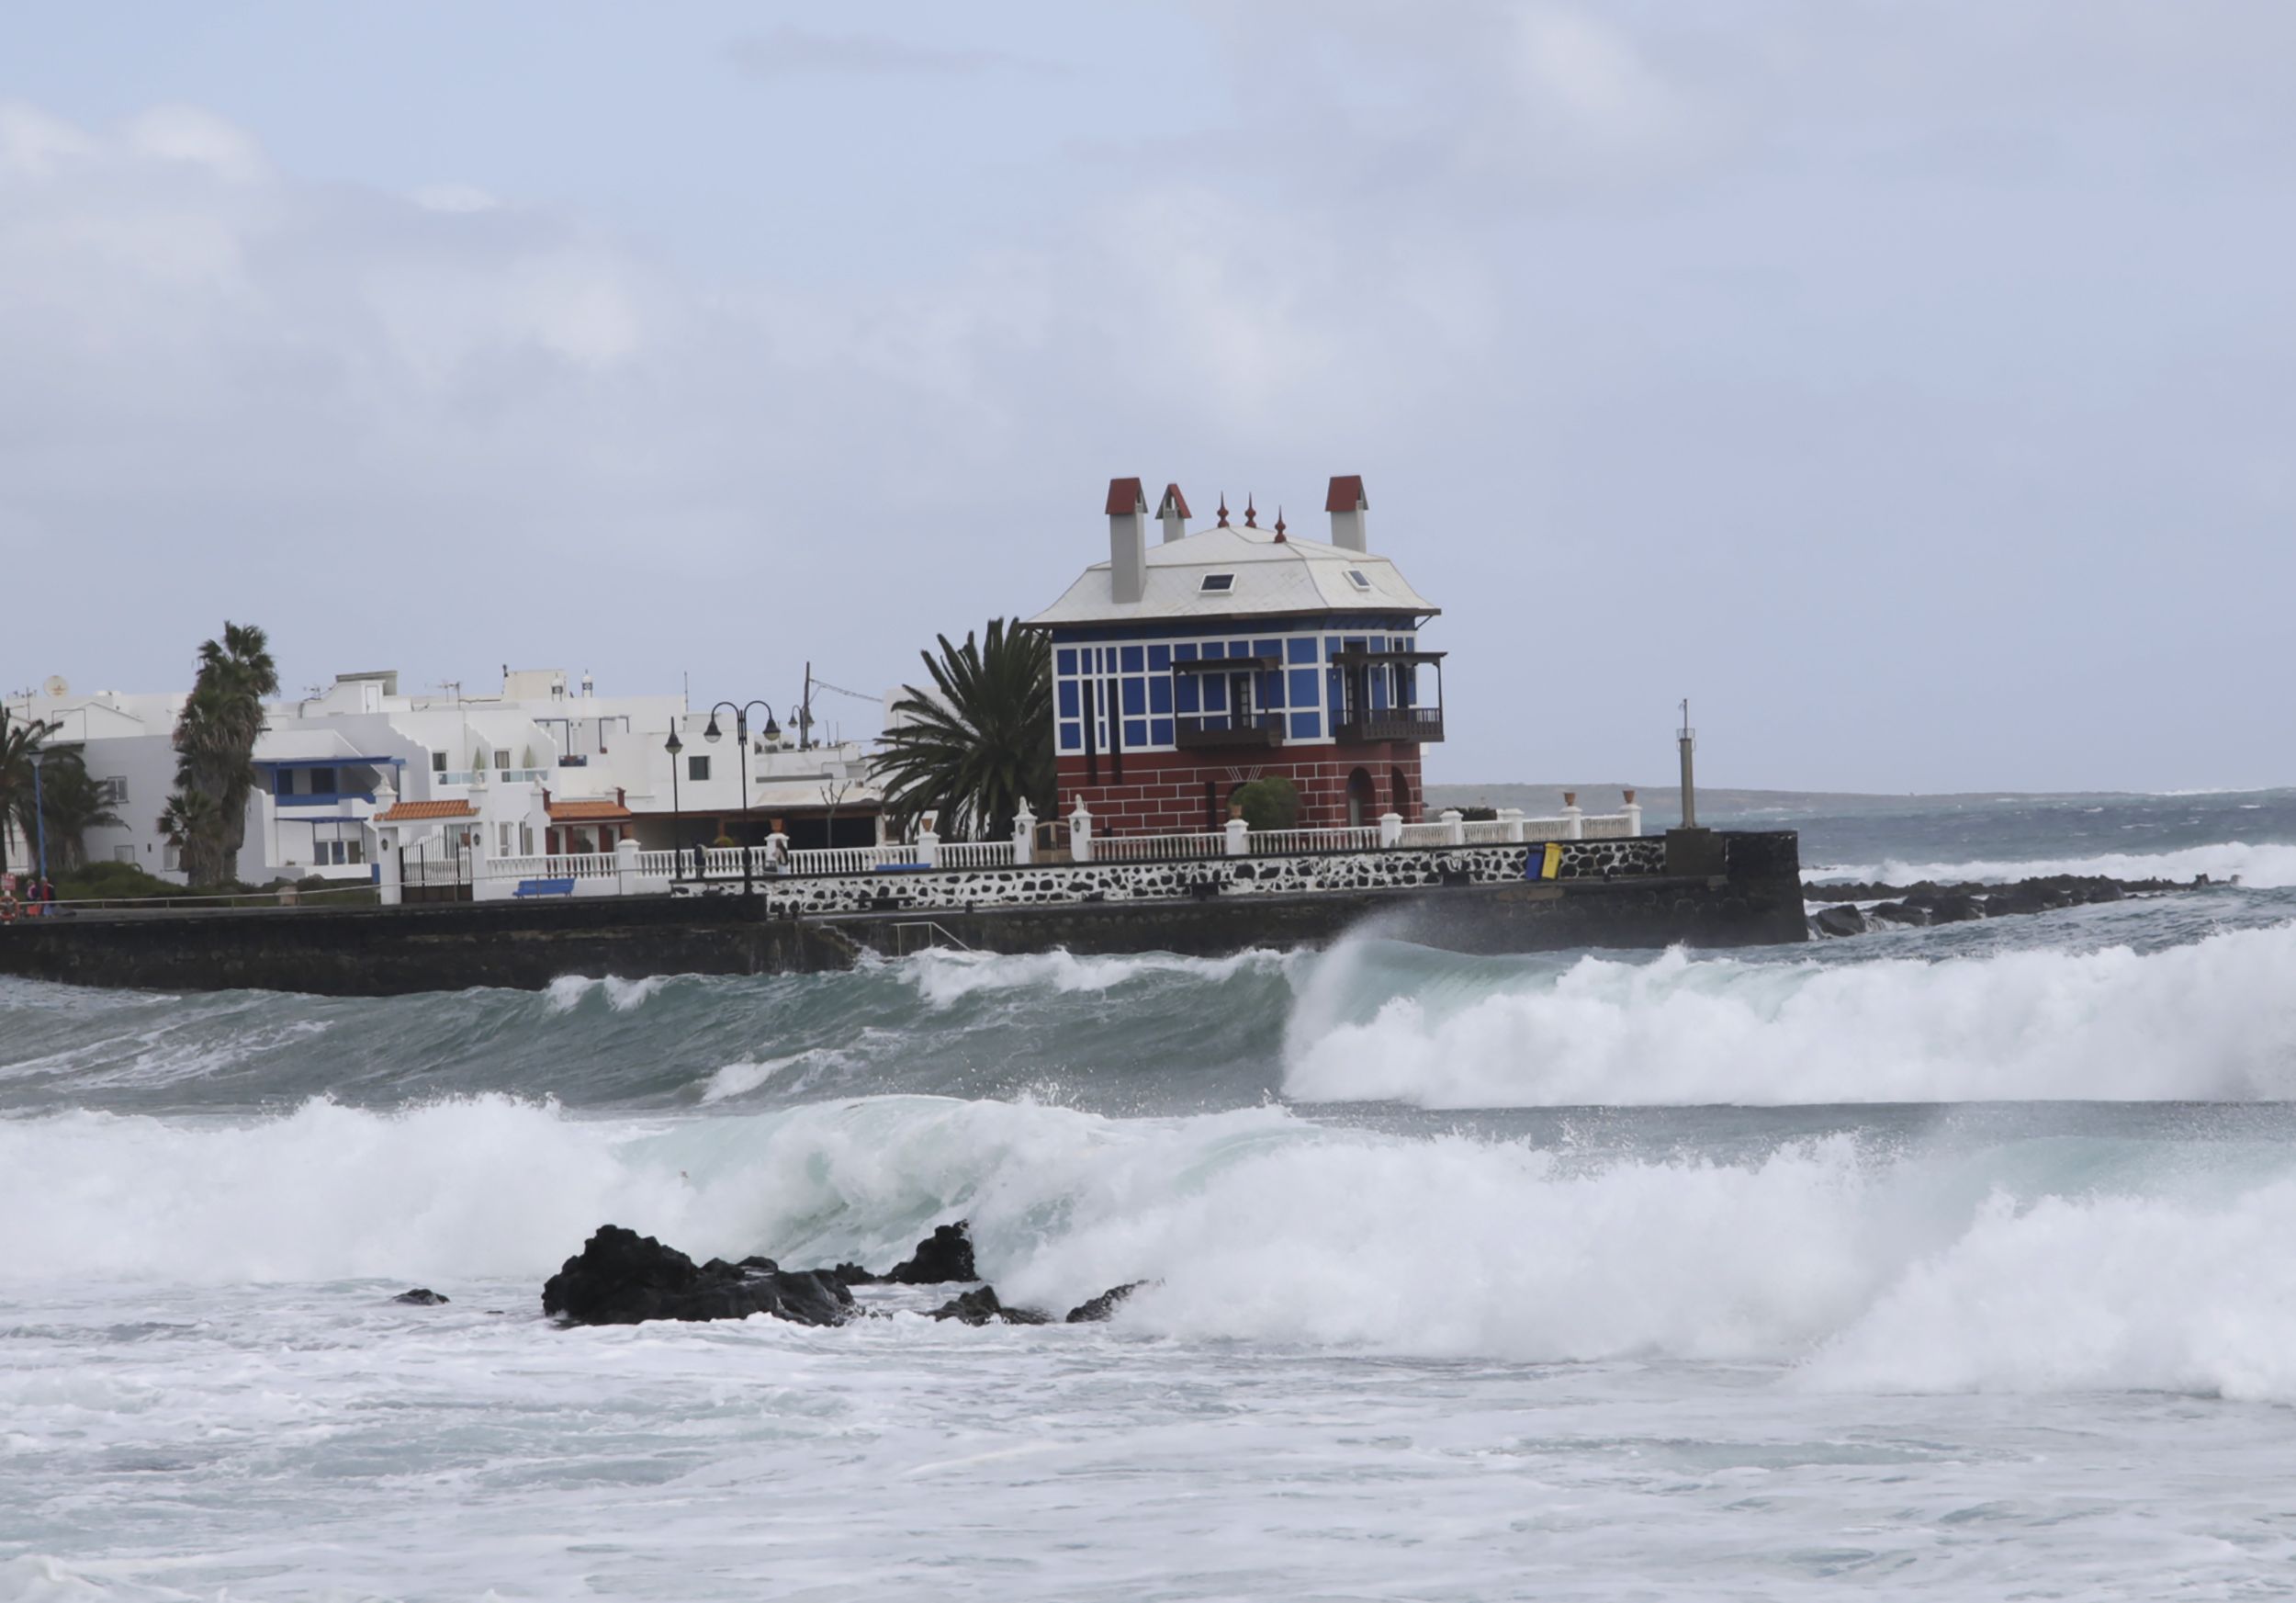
column 1899, row 913
column 946, row 1255
column 423, row 1297
column 852, row 1274
column 1102, row 1307
column 622, row 1278
column 1839, row 921
column 981, row 1306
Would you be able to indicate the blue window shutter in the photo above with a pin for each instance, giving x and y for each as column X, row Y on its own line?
column 1303, row 688
column 1160, row 696
column 1068, row 699
column 1133, row 656
column 1307, row 726
column 1160, row 731
column 1159, row 659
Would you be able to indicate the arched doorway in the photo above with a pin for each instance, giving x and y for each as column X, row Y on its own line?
column 1398, row 790
column 1363, row 795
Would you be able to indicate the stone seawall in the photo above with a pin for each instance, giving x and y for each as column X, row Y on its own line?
column 1736, row 889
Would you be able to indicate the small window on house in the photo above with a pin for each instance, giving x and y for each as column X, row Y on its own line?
column 438, row 762
column 501, row 761
column 1356, row 577
column 123, row 854
column 322, row 782
column 113, row 792
column 356, row 848
column 1218, row 582
column 697, row 768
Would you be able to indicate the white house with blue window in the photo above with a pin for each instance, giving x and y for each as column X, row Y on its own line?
column 1184, row 668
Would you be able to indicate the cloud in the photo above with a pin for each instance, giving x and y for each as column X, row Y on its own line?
column 460, row 199
column 790, row 51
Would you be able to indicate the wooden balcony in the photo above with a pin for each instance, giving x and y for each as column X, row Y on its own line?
column 1417, row 725
column 1226, row 731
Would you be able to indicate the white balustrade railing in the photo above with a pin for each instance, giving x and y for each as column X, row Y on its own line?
column 1157, row 848
column 973, row 855
column 659, row 863
column 525, row 775
column 1608, row 826
column 463, row 777
column 1424, row 835
column 1363, row 838
column 845, row 859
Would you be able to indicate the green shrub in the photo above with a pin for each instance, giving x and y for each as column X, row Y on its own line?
column 1268, row 804
column 1478, row 815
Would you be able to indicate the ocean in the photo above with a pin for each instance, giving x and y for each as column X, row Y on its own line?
column 1952, row 1262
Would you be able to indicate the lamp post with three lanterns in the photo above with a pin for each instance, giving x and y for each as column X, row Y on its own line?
column 772, row 731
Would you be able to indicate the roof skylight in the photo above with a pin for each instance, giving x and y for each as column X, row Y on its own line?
column 1217, row 581
column 1356, row 577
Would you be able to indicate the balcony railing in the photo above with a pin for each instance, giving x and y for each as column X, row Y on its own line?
column 1410, row 723
column 1214, row 731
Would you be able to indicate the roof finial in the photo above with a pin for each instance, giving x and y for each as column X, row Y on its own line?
column 1279, row 522
column 1223, row 509
column 1251, row 515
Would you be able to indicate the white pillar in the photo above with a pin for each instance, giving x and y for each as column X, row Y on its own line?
column 1455, row 827
column 1390, row 831
column 1080, row 834
column 626, row 865
column 1513, row 819
column 928, row 847
column 387, row 866
column 1632, row 809
column 1573, row 817
column 1024, row 836
column 1239, row 837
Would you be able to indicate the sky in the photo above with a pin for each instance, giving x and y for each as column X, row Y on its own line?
column 1909, row 385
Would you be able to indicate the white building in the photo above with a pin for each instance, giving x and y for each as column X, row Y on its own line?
column 544, row 766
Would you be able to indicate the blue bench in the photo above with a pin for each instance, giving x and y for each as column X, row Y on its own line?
column 544, row 887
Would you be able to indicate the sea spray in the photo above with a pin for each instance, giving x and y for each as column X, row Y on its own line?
column 2212, row 1019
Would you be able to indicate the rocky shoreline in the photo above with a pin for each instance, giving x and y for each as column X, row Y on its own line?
column 1929, row 902
column 622, row 1278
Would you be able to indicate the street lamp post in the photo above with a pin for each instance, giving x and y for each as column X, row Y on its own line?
column 677, row 811
column 741, row 733
column 39, row 817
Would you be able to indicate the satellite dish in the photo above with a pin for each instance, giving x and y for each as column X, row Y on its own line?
column 57, row 687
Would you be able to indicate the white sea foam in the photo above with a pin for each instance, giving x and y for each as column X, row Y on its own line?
column 565, row 992
column 1936, row 1271
column 2266, row 865
column 2214, row 1019
column 944, row 977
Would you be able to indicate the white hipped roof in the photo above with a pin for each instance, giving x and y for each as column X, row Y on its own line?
column 1272, row 577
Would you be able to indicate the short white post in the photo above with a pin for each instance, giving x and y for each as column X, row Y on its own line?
column 387, row 867
column 1455, row 827
column 1080, row 833
column 1512, row 817
column 928, row 848
column 776, row 852
column 1632, row 810
column 1023, row 836
column 1239, row 837
column 1390, row 831
column 475, row 864
column 625, row 866
column 1573, row 817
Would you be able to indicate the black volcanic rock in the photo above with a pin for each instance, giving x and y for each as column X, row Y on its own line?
column 1104, row 1306
column 944, row 1255
column 622, row 1278
column 980, row 1306
column 1899, row 913
column 423, row 1297
column 1842, row 921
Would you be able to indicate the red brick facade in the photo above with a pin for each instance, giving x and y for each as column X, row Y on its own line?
column 1163, row 793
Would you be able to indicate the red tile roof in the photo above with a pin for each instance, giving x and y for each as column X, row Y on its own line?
column 1347, row 493
column 589, row 812
column 413, row 811
column 1126, row 496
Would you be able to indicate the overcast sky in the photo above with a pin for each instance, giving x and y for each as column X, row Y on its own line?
column 1910, row 385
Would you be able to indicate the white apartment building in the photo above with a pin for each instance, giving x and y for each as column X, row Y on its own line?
column 544, row 766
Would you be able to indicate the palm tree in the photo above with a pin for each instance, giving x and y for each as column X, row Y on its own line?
column 189, row 822
column 215, row 746
column 980, row 743
column 72, row 804
column 19, row 741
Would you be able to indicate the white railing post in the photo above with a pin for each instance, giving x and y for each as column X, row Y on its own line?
column 928, row 847
column 625, row 866
column 1023, row 837
column 1573, row 817
column 1513, row 819
column 1455, row 827
column 1632, row 809
column 1390, row 831
column 1080, row 833
column 387, row 868
column 1239, row 837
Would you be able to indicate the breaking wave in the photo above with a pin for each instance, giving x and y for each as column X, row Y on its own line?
column 2213, row 1019
column 2045, row 1264
column 2265, row 865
